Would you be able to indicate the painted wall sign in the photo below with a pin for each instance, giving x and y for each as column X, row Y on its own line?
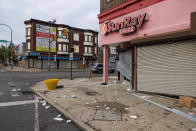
column 42, row 38
column 127, row 25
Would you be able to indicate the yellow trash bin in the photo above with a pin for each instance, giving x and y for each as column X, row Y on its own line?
column 51, row 83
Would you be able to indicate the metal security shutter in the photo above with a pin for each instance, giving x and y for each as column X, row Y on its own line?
column 167, row 68
column 124, row 64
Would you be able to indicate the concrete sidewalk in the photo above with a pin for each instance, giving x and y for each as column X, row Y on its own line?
column 22, row 69
column 93, row 106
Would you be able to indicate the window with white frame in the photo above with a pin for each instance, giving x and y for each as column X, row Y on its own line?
column 85, row 38
column 60, row 34
column 112, row 51
column 88, row 38
column 29, row 45
column 85, row 49
column 76, row 36
column 28, row 31
column 59, row 47
column 64, row 47
column 96, row 40
column 88, row 49
column 76, row 47
column 95, row 50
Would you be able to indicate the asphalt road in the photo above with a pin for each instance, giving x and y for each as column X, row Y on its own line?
column 14, row 116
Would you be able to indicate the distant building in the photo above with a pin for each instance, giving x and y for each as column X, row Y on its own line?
column 62, row 39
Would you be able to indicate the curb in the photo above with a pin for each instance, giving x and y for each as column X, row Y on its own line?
column 66, row 114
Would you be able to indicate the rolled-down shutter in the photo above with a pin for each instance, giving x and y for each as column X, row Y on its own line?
column 124, row 64
column 167, row 68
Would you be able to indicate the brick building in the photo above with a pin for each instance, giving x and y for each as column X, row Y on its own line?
column 62, row 39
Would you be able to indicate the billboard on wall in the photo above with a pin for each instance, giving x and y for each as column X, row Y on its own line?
column 42, row 38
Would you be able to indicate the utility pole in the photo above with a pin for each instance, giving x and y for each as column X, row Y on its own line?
column 71, row 59
column 49, row 42
column 49, row 51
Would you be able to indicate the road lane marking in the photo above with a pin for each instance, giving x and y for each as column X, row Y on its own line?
column 36, row 121
column 15, row 103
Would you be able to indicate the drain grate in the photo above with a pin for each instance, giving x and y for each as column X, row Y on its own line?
column 108, row 115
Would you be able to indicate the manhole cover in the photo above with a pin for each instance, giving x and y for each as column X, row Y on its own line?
column 108, row 115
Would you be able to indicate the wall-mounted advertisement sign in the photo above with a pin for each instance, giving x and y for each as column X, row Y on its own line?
column 124, row 26
column 42, row 38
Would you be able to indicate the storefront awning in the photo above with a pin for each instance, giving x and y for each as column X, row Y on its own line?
column 58, row 58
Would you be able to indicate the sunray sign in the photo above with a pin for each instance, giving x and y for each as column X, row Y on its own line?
column 125, row 26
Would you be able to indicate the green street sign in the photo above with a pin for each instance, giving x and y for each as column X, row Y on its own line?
column 3, row 41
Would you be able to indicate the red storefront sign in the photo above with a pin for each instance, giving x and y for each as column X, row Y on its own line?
column 127, row 25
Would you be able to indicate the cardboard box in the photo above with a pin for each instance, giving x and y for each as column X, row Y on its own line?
column 187, row 101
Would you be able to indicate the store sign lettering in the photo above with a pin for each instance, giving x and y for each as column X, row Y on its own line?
column 128, row 25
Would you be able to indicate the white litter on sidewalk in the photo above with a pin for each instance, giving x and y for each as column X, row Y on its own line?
column 68, row 121
column 58, row 119
column 133, row 116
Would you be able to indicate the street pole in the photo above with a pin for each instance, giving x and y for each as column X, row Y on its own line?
column 11, row 52
column 50, row 24
column 6, row 54
column 71, row 71
column 55, row 61
column 11, row 42
column 71, row 59
column 49, row 51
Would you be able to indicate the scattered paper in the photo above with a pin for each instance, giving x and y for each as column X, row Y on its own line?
column 64, row 96
column 47, row 107
column 194, row 109
column 68, row 121
column 128, row 89
column 83, row 80
column 146, row 97
column 126, row 108
column 93, row 102
column 58, row 119
column 191, row 113
column 42, row 102
column 59, row 115
column 74, row 96
column 114, row 81
column 133, row 116
column 107, row 108
column 193, row 129
column 87, row 103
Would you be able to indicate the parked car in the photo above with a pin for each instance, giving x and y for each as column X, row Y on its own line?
column 98, row 68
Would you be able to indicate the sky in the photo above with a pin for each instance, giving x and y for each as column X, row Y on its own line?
column 80, row 13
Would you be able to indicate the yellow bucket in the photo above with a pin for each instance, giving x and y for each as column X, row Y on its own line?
column 51, row 83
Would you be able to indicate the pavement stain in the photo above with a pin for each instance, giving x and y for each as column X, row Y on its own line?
column 112, row 105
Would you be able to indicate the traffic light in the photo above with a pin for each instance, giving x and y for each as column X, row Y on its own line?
column 64, row 32
column 54, row 37
column 72, row 49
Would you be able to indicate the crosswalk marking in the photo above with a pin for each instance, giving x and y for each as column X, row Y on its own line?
column 15, row 103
